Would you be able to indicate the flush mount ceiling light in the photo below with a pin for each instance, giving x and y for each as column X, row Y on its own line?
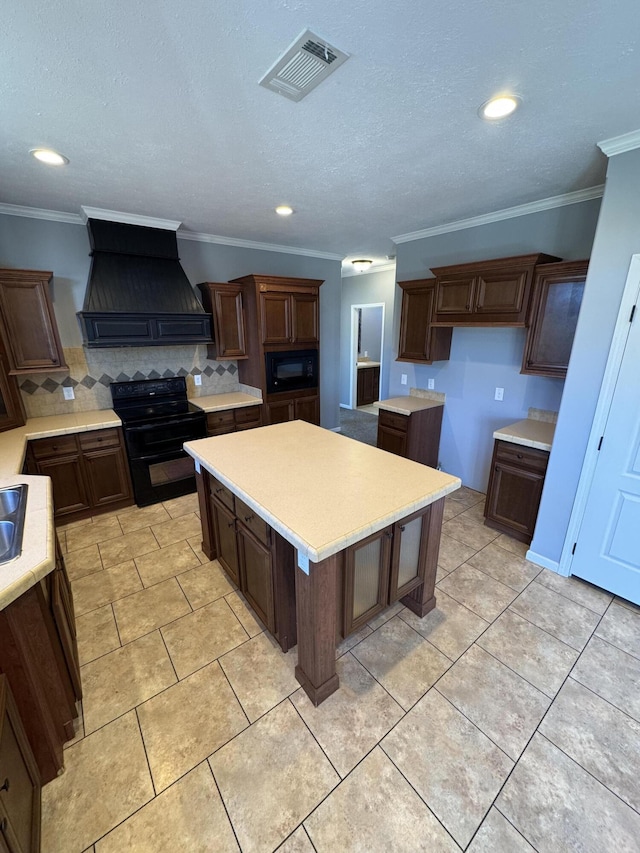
column 362, row 264
column 284, row 210
column 50, row 157
column 499, row 107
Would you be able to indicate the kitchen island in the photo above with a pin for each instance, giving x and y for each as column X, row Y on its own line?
column 360, row 527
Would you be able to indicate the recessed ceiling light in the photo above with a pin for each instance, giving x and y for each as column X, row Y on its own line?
column 499, row 107
column 51, row 158
column 361, row 264
column 284, row 210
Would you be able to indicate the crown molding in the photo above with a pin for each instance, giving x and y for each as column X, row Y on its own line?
column 620, row 144
column 151, row 222
column 351, row 273
column 250, row 244
column 508, row 213
column 40, row 213
column 128, row 218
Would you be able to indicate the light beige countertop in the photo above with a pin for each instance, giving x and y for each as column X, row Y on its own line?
column 320, row 490
column 229, row 400
column 13, row 443
column 38, row 549
column 362, row 364
column 528, row 433
column 406, row 405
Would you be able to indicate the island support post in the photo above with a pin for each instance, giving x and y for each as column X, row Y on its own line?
column 316, row 612
column 422, row 599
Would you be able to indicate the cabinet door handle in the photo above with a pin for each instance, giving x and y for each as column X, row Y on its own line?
column 401, row 529
column 218, row 490
column 54, row 446
column 3, row 825
column 231, row 524
column 249, row 517
column 496, row 468
column 5, row 785
column 519, row 455
column 389, row 535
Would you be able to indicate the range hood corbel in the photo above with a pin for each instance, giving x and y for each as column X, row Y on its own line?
column 138, row 294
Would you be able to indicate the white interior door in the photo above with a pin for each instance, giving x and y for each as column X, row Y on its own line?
column 607, row 551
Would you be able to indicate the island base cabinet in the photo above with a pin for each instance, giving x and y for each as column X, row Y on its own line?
column 514, row 489
column 398, row 562
column 20, row 781
column 257, row 576
column 224, row 523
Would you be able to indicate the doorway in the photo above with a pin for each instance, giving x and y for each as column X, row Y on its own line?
column 367, row 345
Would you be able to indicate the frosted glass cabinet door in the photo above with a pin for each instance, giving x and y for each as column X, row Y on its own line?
column 408, row 559
column 366, row 579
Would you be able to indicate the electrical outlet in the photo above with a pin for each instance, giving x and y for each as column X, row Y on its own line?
column 366, row 354
column 403, row 379
column 197, row 379
column 431, row 384
column 67, row 390
column 499, row 394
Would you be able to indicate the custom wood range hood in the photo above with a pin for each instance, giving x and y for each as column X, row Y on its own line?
column 138, row 294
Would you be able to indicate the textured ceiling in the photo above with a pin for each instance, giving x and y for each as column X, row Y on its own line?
column 158, row 107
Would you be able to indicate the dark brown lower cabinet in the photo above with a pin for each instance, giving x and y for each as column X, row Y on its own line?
column 515, row 488
column 298, row 406
column 384, row 567
column 224, row 522
column 19, row 781
column 415, row 436
column 256, row 559
column 38, row 654
column 89, row 471
column 368, row 387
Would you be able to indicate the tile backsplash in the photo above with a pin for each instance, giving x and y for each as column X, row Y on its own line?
column 92, row 370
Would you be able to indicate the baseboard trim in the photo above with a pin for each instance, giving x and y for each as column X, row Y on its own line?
column 545, row 562
column 335, row 429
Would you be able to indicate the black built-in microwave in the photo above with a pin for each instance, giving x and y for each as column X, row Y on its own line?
column 292, row 370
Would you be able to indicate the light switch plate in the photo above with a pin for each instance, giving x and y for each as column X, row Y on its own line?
column 197, row 379
column 431, row 384
column 499, row 394
column 67, row 391
column 403, row 379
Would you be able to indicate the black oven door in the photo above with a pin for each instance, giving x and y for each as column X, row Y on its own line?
column 159, row 438
column 162, row 477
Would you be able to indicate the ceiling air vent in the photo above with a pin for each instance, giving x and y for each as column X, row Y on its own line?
column 302, row 66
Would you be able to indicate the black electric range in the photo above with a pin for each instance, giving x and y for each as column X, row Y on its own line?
column 156, row 420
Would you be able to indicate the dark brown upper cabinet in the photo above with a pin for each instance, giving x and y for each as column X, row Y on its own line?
column 225, row 302
column 555, row 305
column 12, row 412
column 486, row 293
column 28, row 322
column 419, row 342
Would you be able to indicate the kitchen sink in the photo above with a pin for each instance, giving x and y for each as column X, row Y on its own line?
column 13, row 502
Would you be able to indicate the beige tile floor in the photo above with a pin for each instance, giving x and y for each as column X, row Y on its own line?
column 508, row 719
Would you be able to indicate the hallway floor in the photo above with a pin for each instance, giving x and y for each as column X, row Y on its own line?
column 508, row 719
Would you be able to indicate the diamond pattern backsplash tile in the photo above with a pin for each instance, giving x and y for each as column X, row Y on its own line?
column 92, row 372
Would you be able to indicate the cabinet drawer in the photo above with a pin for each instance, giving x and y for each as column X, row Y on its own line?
column 393, row 420
column 248, row 415
column 220, row 419
column 98, row 439
column 222, row 493
column 522, row 457
column 256, row 525
column 45, row 448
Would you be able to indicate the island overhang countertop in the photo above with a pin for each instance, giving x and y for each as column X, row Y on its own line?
column 320, row 490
